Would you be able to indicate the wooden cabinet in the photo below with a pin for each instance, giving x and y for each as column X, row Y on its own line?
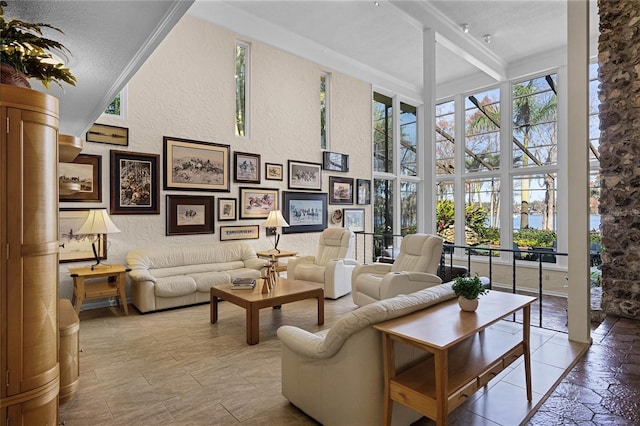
column 28, row 257
column 69, row 351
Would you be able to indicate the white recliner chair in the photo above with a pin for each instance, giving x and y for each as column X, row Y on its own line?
column 332, row 265
column 414, row 269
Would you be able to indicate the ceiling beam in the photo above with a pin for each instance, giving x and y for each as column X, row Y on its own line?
column 449, row 35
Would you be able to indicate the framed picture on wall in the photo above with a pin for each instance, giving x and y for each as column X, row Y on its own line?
column 189, row 214
column 134, row 183
column 103, row 133
column 84, row 174
column 273, row 171
column 196, row 166
column 340, row 190
column 335, row 161
column 256, row 203
column 353, row 219
column 74, row 247
column 304, row 211
column 227, row 209
column 240, row 232
column 363, row 191
column 303, row 175
column 246, row 167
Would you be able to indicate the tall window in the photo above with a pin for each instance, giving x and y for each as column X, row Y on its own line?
column 382, row 133
column 482, row 131
column 445, row 139
column 324, row 109
column 594, row 154
column 395, row 166
column 409, row 140
column 242, row 79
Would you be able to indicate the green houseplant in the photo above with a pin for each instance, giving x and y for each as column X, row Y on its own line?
column 468, row 289
column 25, row 53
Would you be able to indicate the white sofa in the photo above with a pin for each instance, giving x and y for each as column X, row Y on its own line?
column 336, row 375
column 172, row 276
column 331, row 267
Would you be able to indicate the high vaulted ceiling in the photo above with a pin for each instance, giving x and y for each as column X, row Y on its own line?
column 380, row 42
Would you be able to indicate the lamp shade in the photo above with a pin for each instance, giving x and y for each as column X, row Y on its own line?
column 98, row 222
column 275, row 219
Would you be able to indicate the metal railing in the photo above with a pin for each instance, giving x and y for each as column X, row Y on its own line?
column 371, row 247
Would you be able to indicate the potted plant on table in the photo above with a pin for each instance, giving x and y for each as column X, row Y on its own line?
column 25, row 53
column 468, row 289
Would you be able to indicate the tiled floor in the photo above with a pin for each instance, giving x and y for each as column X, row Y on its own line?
column 174, row 367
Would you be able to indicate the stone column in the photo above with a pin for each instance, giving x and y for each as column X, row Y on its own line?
column 619, row 75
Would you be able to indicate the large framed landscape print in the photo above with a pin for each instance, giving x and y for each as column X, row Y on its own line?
column 135, row 183
column 304, row 211
column 196, row 166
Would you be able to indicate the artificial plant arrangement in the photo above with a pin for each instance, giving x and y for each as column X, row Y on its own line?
column 23, row 48
column 468, row 289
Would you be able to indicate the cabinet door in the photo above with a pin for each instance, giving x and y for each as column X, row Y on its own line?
column 30, row 235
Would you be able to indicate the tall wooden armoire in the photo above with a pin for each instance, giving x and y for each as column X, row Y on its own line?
column 30, row 376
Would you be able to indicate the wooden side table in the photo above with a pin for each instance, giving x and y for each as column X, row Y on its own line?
column 273, row 254
column 114, row 285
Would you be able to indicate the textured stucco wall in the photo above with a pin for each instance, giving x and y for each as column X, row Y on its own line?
column 186, row 90
column 619, row 74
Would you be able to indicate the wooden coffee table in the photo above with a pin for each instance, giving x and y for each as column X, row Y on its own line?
column 286, row 291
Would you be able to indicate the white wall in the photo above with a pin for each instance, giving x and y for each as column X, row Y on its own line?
column 186, row 90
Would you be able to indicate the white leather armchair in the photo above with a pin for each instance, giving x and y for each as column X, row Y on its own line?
column 414, row 269
column 331, row 267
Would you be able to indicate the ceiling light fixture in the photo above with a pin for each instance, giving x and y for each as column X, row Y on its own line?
column 487, row 38
column 376, row 3
column 465, row 28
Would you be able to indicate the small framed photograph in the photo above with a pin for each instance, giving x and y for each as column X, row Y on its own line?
column 335, row 161
column 227, row 209
column 113, row 135
column 74, row 247
column 304, row 211
column 134, row 183
column 353, row 219
column 246, row 167
column 189, row 214
column 273, row 171
column 363, row 191
column 303, row 175
column 241, row 232
column 340, row 190
column 256, row 203
column 84, row 174
column 196, row 166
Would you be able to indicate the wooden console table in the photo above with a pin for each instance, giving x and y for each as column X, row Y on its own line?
column 116, row 276
column 466, row 355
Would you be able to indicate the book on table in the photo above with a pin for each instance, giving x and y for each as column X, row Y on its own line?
column 243, row 283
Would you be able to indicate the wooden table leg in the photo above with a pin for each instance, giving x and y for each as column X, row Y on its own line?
column 78, row 289
column 526, row 332
column 213, row 306
column 441, row 359
column 122, row 279
column 321, row 309
column 388, row 355
column 253, row 325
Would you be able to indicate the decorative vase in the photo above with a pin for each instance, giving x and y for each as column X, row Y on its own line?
column 9, row 75
column 468, row 305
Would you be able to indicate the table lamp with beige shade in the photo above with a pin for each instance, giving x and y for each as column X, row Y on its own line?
column 274, row 221
column 98, row 222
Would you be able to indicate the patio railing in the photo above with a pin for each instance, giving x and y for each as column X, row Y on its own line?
column 385, row 248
